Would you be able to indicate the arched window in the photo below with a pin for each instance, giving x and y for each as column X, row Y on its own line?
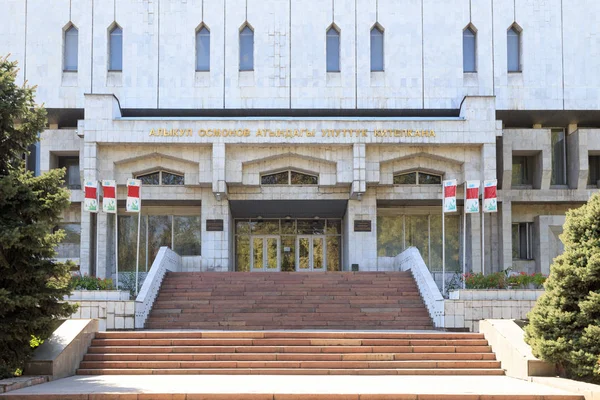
column 115, row 54
column 289, row 177
column 161, row 178
column 246, row 49
column 376, row 48
column 71, row 49
column 513, row 48
column 417, row 178
column 333, row 49
column 469, row 50
column 203, row 49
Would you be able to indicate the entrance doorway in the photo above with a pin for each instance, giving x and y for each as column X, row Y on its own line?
column 265, row 253
column 288, row 245
column 310, row 253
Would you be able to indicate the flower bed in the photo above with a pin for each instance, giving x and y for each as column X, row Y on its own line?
column 504, row 280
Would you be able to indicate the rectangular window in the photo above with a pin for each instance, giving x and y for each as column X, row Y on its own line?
column 522, row 174
column 522, row 241
column 186, row 232
column 203, row 50
column 69, row 247
column 71, row 49
column 559, row 157
column 333, row 50
column 513, row 50
column 246, row 49
column 469, row 59
column 116, row 49
column 71, row 164
column 376, row 49
column 594, row 170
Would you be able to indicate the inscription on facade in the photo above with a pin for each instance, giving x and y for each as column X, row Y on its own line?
column 362, row 225
column 295, row 133
column 214, row 225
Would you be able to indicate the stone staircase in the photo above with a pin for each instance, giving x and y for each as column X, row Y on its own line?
column 289, row 353
column 279, row 300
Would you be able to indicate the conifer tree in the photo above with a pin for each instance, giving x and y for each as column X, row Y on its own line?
column 565, row 323
column 32, row 285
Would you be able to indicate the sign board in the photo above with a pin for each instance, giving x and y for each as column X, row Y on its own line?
column 472, row 197
column 490, row 197
column 134, row 195
column 362, row 225
column 90, row 203
column 109, row 196
column 214, row 225
column 449, row 188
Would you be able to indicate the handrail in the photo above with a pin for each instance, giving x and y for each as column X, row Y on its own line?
column 410, row 259
column 166, row 260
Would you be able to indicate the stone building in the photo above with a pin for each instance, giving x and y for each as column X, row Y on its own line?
column 314, row 135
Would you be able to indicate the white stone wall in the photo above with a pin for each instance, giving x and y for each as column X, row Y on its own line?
column 422, row 57
column 466, row 308
column 111, row 314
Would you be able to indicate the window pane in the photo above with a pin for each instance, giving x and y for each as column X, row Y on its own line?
column 116, row 50
column 594, row 170
column 242, row 253
column 242, row 227
column 171, row 179
column 405, row 179
column 159, row 234
column 72, row 178
column 558, row 157
column 334, row 251
column 280, row 178
column 469, row 50
column 311, row 227
column 288, row 253
column 334, row 227
column 150, row 179
column 288, row 226
column 429, row 179
column 187, row 235
column 515, row 241
column 376, row 49
column 390, row 239
column 519, row 171
column 264, row 227
column 523, row 242
column 513, row 50
column 333, row 50
column 417, row 235
column 71, row 49
column 69, row 247
column 246, row 49
column 127, row 242
column 303, row 179
column 203, row 50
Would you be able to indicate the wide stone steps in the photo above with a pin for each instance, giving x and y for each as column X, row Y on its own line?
column 289, row 301
column 292, row 353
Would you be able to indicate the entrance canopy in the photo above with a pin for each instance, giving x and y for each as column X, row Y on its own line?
column 288, row 208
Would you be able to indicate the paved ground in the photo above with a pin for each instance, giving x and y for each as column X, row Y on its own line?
column 299, row 385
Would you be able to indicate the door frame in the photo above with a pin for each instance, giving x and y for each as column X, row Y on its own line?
column 311, row 255
column 265, row 239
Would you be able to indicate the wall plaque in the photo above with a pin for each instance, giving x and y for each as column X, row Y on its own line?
column 362, row 225
column 214, row 225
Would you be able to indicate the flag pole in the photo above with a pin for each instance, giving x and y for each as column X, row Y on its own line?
column 443, row 251
column 116, row 246
column 483, row 242
column 137, row 254
column 464, row 260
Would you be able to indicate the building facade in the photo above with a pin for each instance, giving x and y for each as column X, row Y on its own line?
column 314, row 135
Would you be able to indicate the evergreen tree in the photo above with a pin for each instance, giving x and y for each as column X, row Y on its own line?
column 565, row 323
column 32, row 285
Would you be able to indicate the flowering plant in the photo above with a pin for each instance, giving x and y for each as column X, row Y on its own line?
column 91, row 283
column 502, row 280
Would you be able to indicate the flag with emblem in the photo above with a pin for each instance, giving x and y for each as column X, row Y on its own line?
column 134, row 195
column 472, row 197
column 450, row 195
column 109, row 196
column 490, row 200
column 90, row 202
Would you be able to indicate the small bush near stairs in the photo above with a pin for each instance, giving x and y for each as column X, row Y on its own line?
column 565, row 323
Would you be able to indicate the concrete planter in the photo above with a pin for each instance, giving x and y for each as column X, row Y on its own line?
column 496, row 294
column 98, row 295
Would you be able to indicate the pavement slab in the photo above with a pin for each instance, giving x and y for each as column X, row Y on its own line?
column 290, row 387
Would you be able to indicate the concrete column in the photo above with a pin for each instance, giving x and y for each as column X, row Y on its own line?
column 506, row 209
column 88, row 233
column 218, row 170
column 359, row 174
column 215, row 245
column 361, row 246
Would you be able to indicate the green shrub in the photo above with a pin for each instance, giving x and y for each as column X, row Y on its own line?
column 91, row 283
column 564, row 325
column 502, row 280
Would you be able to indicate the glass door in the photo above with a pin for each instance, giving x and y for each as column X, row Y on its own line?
column 310, row 253
column 265, row 253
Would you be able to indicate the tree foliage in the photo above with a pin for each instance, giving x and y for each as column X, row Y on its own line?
column 32, row 285
column 565, row 323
